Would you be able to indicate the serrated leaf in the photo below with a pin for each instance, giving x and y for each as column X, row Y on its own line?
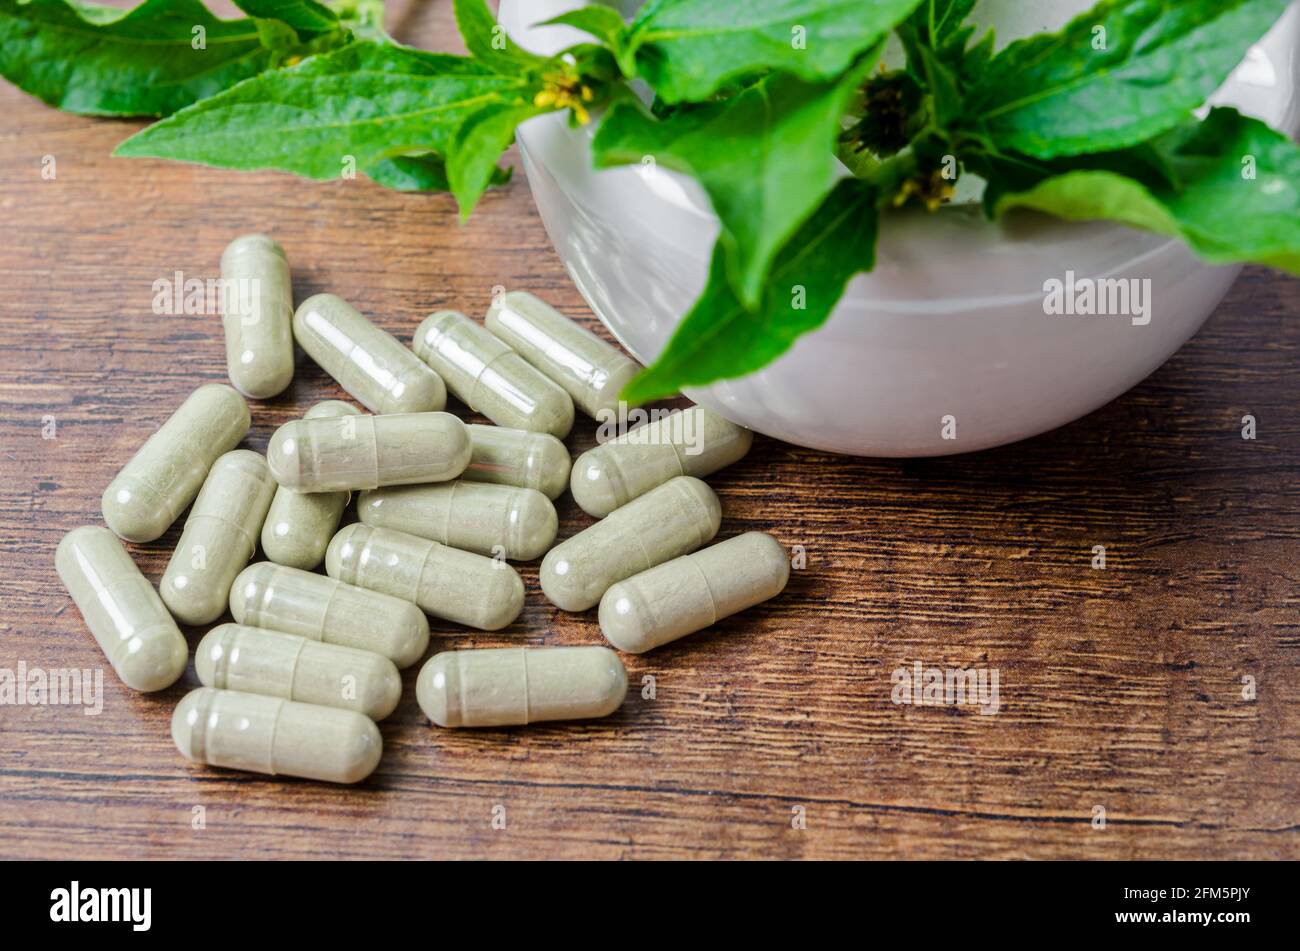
column 305, row 16
column 721, row 339
column 276, row 36
column 765, row 157
column 479, row 142
column 940, row 20
column 975, row 60
column 942, row 84
column 1119, row 74
column 363, row 18
column 939, row 25
column 1223, row 213
column 365, row 102
column 424, row 172
column 97, row 60
column 602, row 23
column 488, row 42
column 687, row 49
column 1008, row 172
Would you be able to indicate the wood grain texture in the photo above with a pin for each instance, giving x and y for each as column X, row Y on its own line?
column 1119, row 688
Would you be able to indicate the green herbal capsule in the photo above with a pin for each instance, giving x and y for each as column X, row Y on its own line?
column 692, row 592
column 511, row 686
column 590, row 370
column 365, row 452
column 695, row 442
column 368, row 362
column 275, row 736
column 490, row 378
column 446, row 582
column 300, row 524
column 275, row 664
column 327, row 610
column 220, row 536
column 121, row 608
column 166, row 473
column 495, row 520
column 515, row 457
column 258, row 317
column 673, row 519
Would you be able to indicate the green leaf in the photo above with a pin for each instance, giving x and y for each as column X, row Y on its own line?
column 605, row 25
column 363, row 18
column 765, row 157
column 97, row 60
column 488, row 42
column 944, row 19
column 479, row 142
column 975, row 60
column 1222, row 213
column 305, row 16
column 421, row 172
column 687, row 49
column 721, row 339
column 1007, row 172
column 365, row 102
column 938, row 25
column 942, row 85
column 601, row 22
column 1116, row 75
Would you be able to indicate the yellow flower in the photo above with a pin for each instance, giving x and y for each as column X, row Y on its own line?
column 932, row 190
column 565, row 91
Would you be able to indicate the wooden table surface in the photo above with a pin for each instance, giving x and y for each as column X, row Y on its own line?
column 1119, row 688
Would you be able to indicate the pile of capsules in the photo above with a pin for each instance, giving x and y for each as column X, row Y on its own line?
column 296, row 684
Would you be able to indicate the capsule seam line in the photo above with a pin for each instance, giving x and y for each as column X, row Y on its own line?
column 645, row 555
column 713, row 601
column 486, row 366
column 234, row 525
column 419, row 576
column 678, row 451
column 263, row 604
column 528, row 708
column 222, row 672
column 374, row 453
column 325, row 613
column 293, row 667
column 199, row 737
column 446, row 519
column 275, row 728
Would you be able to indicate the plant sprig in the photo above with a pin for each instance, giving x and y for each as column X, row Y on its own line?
column 779, row 108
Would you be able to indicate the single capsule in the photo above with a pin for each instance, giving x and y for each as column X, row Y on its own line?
column 165, row 475
column 490, row 378
column 275, row 736
column 299, row 525
column 121, row 608
column 366, row 361
column 694, row 442
column 446, row 582
column 511, row 686
column 258, row 316
column 673, row 519
column 254, row 660
column 220, row 536
column 327, row 610
column 589, row 370
column 692, row 592
column 365, row 452
column 493, row 520
column 515, row 457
